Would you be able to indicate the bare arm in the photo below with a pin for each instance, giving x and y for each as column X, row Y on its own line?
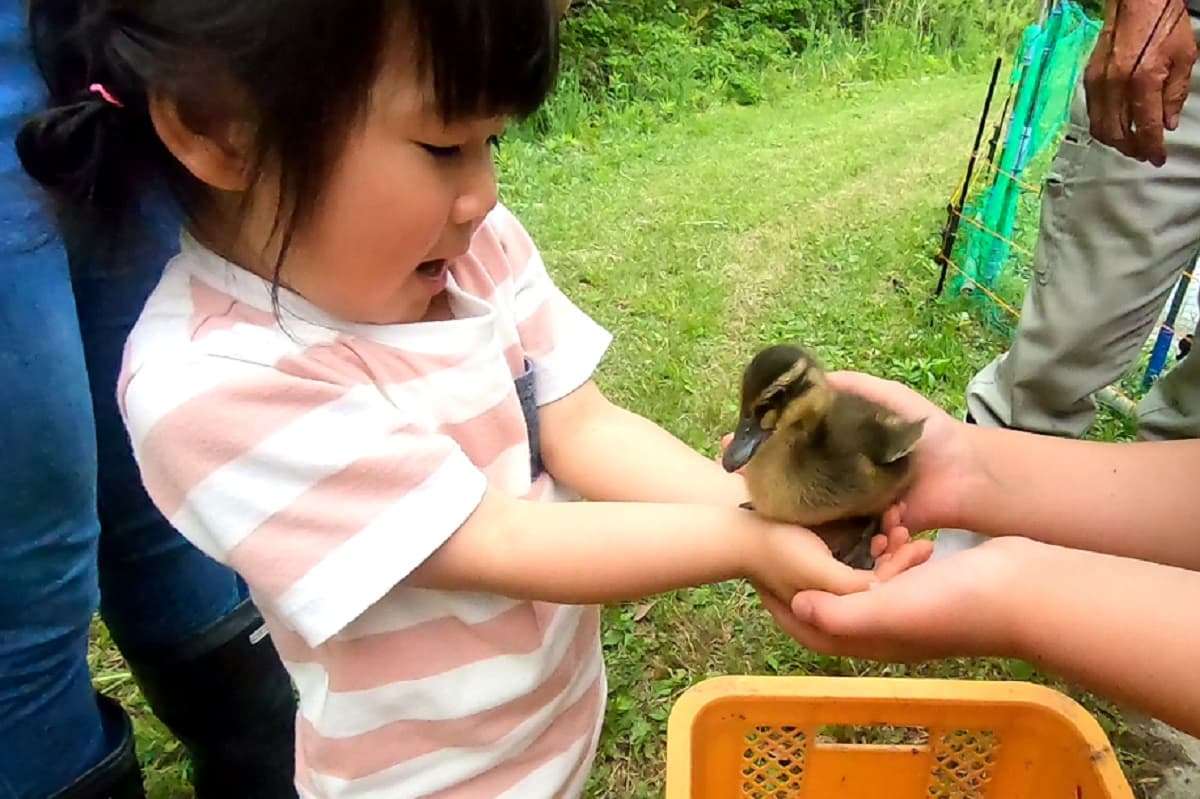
column 1122, row 627
column 1119, row 625
column 607, row 453
column 1135, row 500
column 597, row 552
column 676, row 525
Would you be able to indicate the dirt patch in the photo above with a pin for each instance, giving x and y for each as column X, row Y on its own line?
column 1160, row 761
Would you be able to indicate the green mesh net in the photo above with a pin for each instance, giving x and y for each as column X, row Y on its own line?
column 999, row 219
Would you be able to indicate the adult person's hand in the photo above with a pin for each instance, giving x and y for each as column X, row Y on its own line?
column 1097, row 597
column 1075, row 494
column 1118, row 626
column 956, row 606
column 1139, row 74
column 945, row 466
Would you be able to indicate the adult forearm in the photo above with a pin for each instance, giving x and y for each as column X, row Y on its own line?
column 1133, row 500
column 1121, row 627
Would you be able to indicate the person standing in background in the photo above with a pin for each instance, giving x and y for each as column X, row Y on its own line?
column 77, row 530
column 1120, row 223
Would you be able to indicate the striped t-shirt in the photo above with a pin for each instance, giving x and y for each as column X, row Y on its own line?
column 325, row 461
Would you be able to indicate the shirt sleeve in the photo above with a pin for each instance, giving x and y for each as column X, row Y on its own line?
column 323, row 497
column 564, row 344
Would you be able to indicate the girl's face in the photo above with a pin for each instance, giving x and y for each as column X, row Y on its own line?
column 404, row 199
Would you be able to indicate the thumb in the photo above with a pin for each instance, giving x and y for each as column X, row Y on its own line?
column 851, row 616
column 893, row 517
column 831, row 576
column 1175, row 92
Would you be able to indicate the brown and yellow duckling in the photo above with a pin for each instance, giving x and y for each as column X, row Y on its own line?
column 815, row 456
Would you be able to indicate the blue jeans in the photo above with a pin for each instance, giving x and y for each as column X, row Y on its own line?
column 77, row 530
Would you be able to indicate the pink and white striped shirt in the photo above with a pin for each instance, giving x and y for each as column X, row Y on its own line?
column 325, row 461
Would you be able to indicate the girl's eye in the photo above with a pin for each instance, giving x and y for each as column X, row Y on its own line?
column 455, row 151
column 441, row 152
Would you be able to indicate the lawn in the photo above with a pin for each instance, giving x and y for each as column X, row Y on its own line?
column 812, row 218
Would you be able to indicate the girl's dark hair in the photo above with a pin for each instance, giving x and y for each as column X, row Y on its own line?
column 303, row 68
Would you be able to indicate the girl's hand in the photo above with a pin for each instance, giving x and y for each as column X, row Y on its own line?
column 791, row 559
column 945, row 464
column 963, row 605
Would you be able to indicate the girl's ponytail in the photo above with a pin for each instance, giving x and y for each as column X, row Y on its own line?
column 69, row 148
column 82, row 147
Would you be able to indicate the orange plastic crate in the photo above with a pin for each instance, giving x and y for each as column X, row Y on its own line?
column 776, row 738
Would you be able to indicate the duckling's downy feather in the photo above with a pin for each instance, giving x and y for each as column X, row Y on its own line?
column 827, row 456
column 852, row 461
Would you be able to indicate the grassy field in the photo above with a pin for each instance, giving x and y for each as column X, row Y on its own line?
column 808, row 218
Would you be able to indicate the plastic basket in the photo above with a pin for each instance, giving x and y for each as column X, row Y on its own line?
column 822, row 737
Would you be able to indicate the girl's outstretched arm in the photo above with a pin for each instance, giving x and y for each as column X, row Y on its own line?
column 608, row 453
column 599, row 552
column 664, row 517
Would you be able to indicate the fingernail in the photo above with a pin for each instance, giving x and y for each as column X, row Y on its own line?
column 802, row 610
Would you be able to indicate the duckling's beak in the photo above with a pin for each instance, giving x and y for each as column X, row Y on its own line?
column 748, row 437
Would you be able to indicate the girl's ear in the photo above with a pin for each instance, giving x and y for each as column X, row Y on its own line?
column 218, row 155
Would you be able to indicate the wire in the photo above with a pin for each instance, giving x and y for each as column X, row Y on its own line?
column 1016, row 315
column 971, row 221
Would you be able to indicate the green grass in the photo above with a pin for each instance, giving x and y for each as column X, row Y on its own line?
column 811, row 217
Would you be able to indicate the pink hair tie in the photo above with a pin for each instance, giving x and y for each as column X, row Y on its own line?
column 105, row 94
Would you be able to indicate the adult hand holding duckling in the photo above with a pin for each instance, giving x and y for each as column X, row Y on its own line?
column 815, row 455
column 943, row 463
column 1095, row 552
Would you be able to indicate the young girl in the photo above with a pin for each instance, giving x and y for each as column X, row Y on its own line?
column 358, row 385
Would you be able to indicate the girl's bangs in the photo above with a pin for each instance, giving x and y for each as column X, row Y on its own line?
column 487, row 58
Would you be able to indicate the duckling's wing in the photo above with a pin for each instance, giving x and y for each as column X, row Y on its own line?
column 878, row 433
column 900, row 438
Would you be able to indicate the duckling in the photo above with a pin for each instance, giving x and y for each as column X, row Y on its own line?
column 814, row 455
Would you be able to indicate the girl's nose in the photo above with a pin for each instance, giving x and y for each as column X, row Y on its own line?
column 478, row 194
